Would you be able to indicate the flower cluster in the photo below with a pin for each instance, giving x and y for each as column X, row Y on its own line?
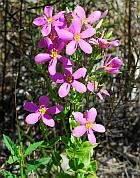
column 70, row 32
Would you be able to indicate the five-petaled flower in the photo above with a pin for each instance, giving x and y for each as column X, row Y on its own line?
column 111, row 65
column 75, row 36
column 70, row 79
column 47, row 21
column 93, row 17
column 41, row 112
column 53, row 55
column 87, row 125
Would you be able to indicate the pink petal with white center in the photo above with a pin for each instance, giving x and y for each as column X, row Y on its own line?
column 91, row 137
column 105, row 92
column 86, row 47
column 42, row 57
column 79, row 131
column 48, row 11
column 80, row 12
column 64, row 90
column 80, row 87
column 98, row 128
column 88, row 33
column 39, row 21
column 52, row 66
column 79, row 117
column 64, row 34
column 44, row 100
column 32, row 118
column 48, row 120
column 91, row 114
column 81, row 72
column 94, row 16
column 55, row 109
column 46, row 29
column 71, row 47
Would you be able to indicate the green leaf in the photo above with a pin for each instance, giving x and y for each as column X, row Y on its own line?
column 8, row 174
column 56, row 158
column 12, row 159
column 34, row 164
column 92, row 176
column 92, row 167
column 32, row 148
column 10, row 145
column 63, row 175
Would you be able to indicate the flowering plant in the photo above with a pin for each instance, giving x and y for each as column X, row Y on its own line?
column 73, row 44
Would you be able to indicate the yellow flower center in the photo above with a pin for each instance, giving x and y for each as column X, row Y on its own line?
column 89, row 126
column 54, row 54
column 77, row 37
column 69, row 78
column 42, row 109
column 84, row 21
column 50, row 20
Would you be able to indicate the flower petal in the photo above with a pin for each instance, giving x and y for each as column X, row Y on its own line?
column 94, row 16
column 100, row 96
column 71, row 48
column 30, row 106
column 52, row 66
column 55, row 109
column 48, row 120
column 79, row 117
column 105, row 92
column 46, row 29
column 59, row 15
column 39, row 21
column 64, row 34
column 76, row 26
column 86, row 47
column 88, row 33
column 42, row 57
column 64, row 90
column 98, row 128
column 32, row 118
column 91, row 137
column 79, row 131
column 90, row 86
column 45, row 42
column 58, row 78
column 92, row 113
column 80, row 12
column 81, row 72
column 80, row 87
column 44, row 100
column 48, row 11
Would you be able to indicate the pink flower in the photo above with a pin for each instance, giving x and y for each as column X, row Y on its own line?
column 52, row 55
column 87, row 125
column 104, row 43
column 76, row 37
column 94, row 87
column 94, row 16
column 112, row 65
column 42, row 111
column 69, row 79
column 47, row 21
